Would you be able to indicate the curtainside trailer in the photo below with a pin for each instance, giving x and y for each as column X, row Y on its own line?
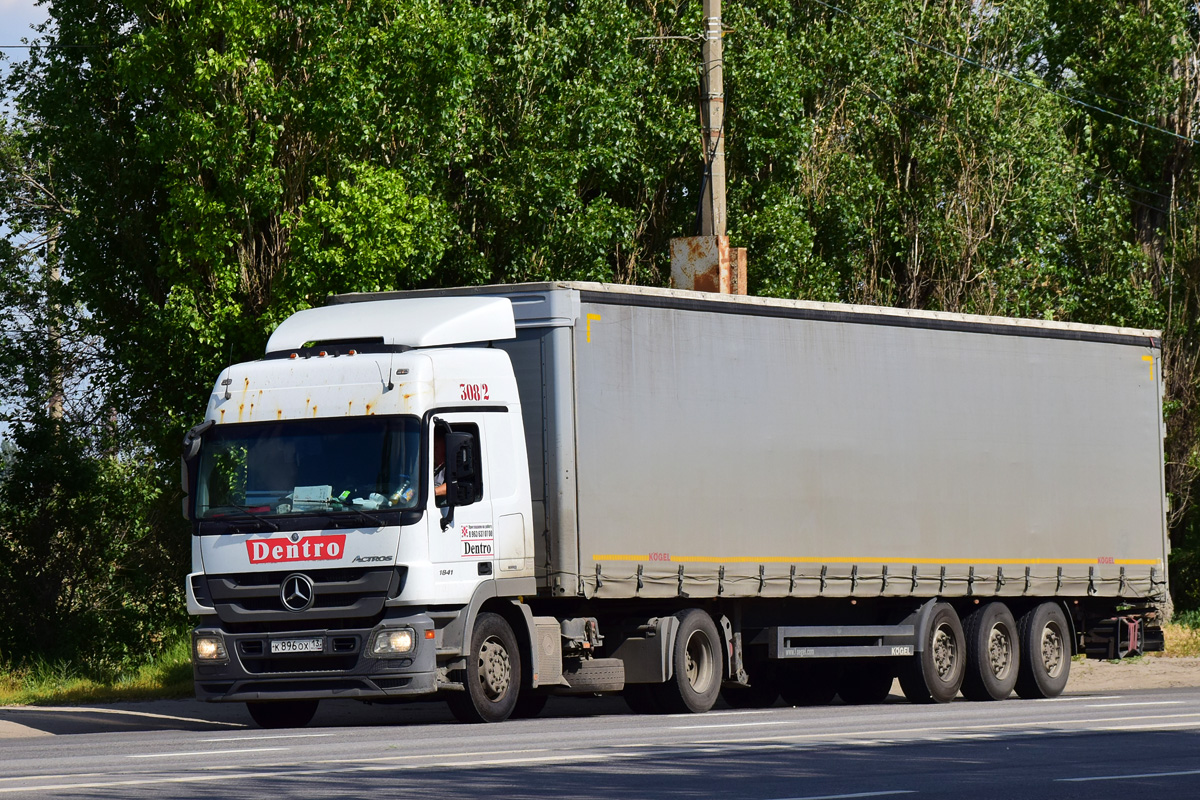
column 502, row 493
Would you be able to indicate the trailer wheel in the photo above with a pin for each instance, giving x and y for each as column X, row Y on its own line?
column 807, row 683
column 993, row 653
column 492, row 681
column 867, row 682
column 762, row 692
column 935, row 674
column 697, row 661
column 282, row 713
column 1045, row 652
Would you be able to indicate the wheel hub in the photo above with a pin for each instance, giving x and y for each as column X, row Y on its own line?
column 1053, row 650
column 945, row 653
column 698, row 663
column 1000, row 651
column 495, row 669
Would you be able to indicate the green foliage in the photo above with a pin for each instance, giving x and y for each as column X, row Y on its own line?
column 82, row 575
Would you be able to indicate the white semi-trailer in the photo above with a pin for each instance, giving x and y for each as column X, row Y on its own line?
column 502, row 493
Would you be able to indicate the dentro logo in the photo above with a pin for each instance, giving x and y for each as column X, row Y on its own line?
column 310, row 548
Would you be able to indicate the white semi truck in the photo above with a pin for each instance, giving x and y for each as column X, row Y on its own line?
column 500, row 493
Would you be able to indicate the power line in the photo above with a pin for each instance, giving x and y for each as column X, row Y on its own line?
column 1012, row 77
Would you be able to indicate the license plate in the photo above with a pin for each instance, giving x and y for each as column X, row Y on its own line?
column 297, row 645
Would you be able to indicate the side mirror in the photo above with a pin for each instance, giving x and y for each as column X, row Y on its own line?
column 191, row 442
column 191, row 449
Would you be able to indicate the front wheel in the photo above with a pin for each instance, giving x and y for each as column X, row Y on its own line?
column 697, row 666
column 283, row 713
column 492, row 679
column 1045, row 652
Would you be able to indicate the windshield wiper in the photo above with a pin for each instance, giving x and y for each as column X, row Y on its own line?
column 347, row 506
column 336, row 506
column 246, row 514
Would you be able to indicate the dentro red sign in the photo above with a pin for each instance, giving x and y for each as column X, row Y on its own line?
column 310, row 548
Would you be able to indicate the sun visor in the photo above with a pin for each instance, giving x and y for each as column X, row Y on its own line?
column 415, row 322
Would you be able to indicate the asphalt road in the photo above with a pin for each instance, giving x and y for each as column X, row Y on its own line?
column 1077, row 746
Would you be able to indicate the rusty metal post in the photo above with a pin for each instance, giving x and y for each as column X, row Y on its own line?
column 712, row 209
column 706, row 263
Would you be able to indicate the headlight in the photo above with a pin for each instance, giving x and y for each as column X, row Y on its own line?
column 210, row 648
column 393, row 642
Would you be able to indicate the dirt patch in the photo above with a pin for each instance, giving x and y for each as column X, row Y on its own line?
column 1137, row 673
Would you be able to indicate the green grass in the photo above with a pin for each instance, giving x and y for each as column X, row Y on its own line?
column 45, row 683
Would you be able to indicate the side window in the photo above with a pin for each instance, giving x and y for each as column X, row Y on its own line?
column 469, row 473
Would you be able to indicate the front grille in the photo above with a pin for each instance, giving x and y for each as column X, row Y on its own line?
column 305, row 663
column 342, row 598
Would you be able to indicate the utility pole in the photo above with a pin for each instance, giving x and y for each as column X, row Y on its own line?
column 712, row 208
column 706, row 262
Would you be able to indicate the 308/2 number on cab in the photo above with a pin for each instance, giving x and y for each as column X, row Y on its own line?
column 474, row 391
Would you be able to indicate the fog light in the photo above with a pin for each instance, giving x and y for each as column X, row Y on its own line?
column 210, row 648
column 398, row 640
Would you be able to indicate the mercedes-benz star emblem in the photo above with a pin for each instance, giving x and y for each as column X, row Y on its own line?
column 296, row 592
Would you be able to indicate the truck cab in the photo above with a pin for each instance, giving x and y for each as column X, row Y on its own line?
column 335, row 553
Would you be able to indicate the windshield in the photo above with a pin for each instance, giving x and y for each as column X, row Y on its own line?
column 312, row 466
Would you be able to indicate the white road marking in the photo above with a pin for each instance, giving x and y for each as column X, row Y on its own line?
column 209, row 752
column 736, row 724
column 118, row 711
column 1129, row 777
column 1158, row 726
column 1146, row 703
column 1077, row 699
column 243, row 775
column 428, row 755
column 886, row 793
column 72, row 775
column 268, row 738
column 954, row 731
column 725, row 713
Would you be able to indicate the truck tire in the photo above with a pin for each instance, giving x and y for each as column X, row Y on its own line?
column 807, row 683
column 1045, row 652
column 762, row 692
column 492, row 679
column 935, row 674
column 993, row 653
column 866, row 682
column 282, row 713
column 696, row 682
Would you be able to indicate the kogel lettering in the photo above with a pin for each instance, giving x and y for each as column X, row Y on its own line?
column 310, row 548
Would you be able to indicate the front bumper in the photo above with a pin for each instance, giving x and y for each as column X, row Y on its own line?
column 344, row 668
